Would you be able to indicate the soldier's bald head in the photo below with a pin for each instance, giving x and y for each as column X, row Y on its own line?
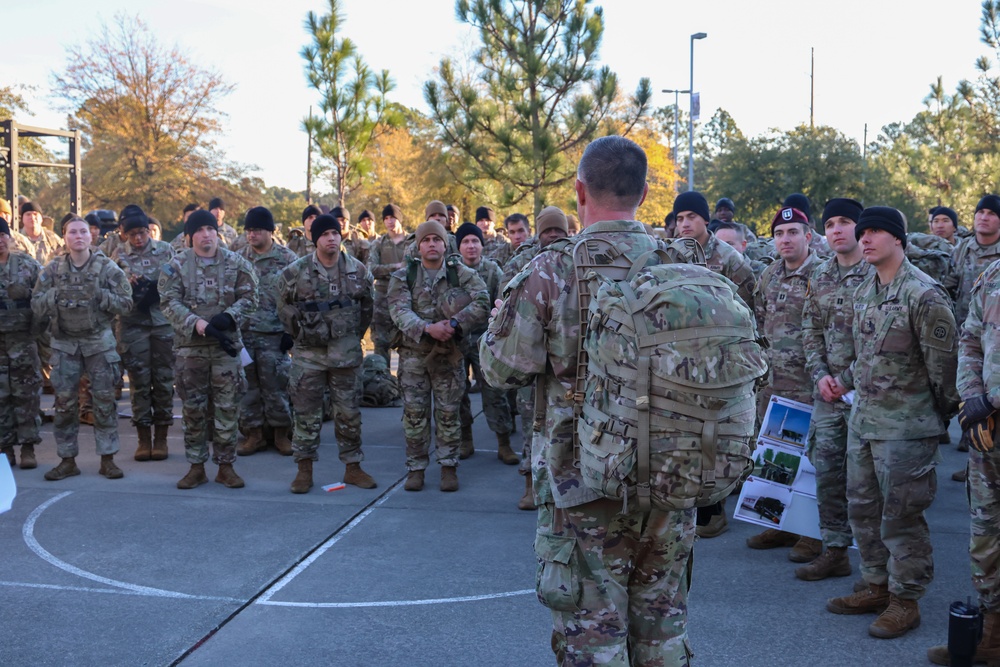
column 613, row 169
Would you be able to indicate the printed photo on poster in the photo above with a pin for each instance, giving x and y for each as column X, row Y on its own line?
column 786, row 422
column 763, row 502
column 776, row 464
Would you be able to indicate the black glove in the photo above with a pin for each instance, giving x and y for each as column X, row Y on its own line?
column 145, row 295
column 224, row 342
column 974, row 410
column 980, row 435
column 223, row 322
column 287, row 342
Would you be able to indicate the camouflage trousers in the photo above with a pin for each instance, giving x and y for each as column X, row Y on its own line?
column 826, row 449
column 266, row 399
column 103, row 370
column 616, row 584
column 20, row 387
column 444, row 380
column 148, row 355
column 306, row 387
column 889, row 485
column 984, row 544
column 495, row 407
column 382, row 326
column 525, row 401
column 209, row 383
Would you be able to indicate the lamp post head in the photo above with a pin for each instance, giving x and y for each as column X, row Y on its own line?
column 699, row 35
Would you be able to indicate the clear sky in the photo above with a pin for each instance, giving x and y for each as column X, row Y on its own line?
column 875, row 59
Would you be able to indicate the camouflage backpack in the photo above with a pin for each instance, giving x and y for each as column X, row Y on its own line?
column 932, row 255
column 666, row 375
column 380, row 387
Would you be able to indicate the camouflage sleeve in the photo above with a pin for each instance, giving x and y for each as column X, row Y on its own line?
column 759, row 302
column 493, row 284
column 367, row 301
column 813, row 342
column 400, row 303
column 935, row 323
column 287, row 312
column 43, row 297
column 970, row 348
column 171, row 290
column 742, row 276
column 473, row 315
column 245, row 291
column 117, row 293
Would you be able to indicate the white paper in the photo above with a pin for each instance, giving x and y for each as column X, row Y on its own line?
column 245, row 357
column 848, row 397
column 8, row 488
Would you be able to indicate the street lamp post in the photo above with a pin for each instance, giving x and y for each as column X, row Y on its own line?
column 677, row 118
column 697, row 35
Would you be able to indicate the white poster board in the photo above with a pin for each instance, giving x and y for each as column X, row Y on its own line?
column 8, row 488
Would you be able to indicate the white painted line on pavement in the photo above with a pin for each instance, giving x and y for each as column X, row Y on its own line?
column 85, row 589
column 397, row 603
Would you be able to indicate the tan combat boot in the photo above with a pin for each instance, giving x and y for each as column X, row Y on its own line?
column 108, row 467
column 251, row 442
column 144, row 451
column 987, row 651
column 304, row 479
column 716, row 526
column 281, row 441
column 11, row 458
column 28, row 461
column 959, row 475
column 899, row 618
column 465, row 448
column 806, row 550
column 358, row 477
column 194, row 477
column 414, row 480
column 772, row 538
column 66, row 468
column 449, row 479
column 527, row 501
column 228, row 477
column 504, row 452
column 159, row 451
column 872, row 600
column 831, row 563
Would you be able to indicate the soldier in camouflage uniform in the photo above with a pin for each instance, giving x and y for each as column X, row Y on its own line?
column 226, row 232
column 903, row 378
column 828, row 343
column 325, row 301
column 438, row 212
column 518, row 231
column 616, row 582
column 943, row 222
column 355, row 243
column 735, row 234
column 145, row 337
column 691, row 212
column 265, row 340
column 470, row 246
column 974, row 254
column 82, row 292
column 45, row 242
column 818, row 243
column 495, row 247
column 181, row 242
column 299, row 239
column 433, row 302
column 779, row 299
column 20, row 369
column 206, row 293
column 387, row 255
column 979, row 387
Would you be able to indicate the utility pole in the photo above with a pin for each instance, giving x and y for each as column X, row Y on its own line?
column 864, row 165
column 812, row 84
column 309, row 160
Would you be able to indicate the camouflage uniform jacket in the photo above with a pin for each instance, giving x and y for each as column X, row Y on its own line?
column 411, row 246
column 980, row 340
column 385, row 257
column 145, row 263
column 525, row 252
column 357, row 246
column 429, row 300
column 299, row 243
column 268, row 267
column 112, row 242
column 491, row 276
column 303, row 285
column 180, row 243
column 17, row 279
column 82, row 302
column 827, row 319
column 906, row 358
column 779, row 300
column 193, row 288
column 22, row 243
column 498, row 249
column 227, row 232
column 970, row 259
column 819, row 245
column 46, row 247
column 536, row 332
column 724, row 259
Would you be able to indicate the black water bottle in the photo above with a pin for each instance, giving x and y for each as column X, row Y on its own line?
column 965, row 629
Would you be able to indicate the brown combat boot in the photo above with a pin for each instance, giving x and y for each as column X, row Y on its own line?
column 414, row 480
column 108, row 467
column 228, row 477
column 358, row 477
column 959, row 475
column 194, row 477
column 716, row 526
column 281, row 441
column 87, row 418
column 144, row 451
column 159, row 451
column 304, row 479
column 66, row 468
column 831, row 563
column 504, row 452
column 465, row 448
column 806, row 550
column 11, row 458
column 899, row 618
column 987, row 651
column 449, row 480
column 772, row 538
column 251, row 442
column 872, row 600
column 28, row 461
column 527, row 501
